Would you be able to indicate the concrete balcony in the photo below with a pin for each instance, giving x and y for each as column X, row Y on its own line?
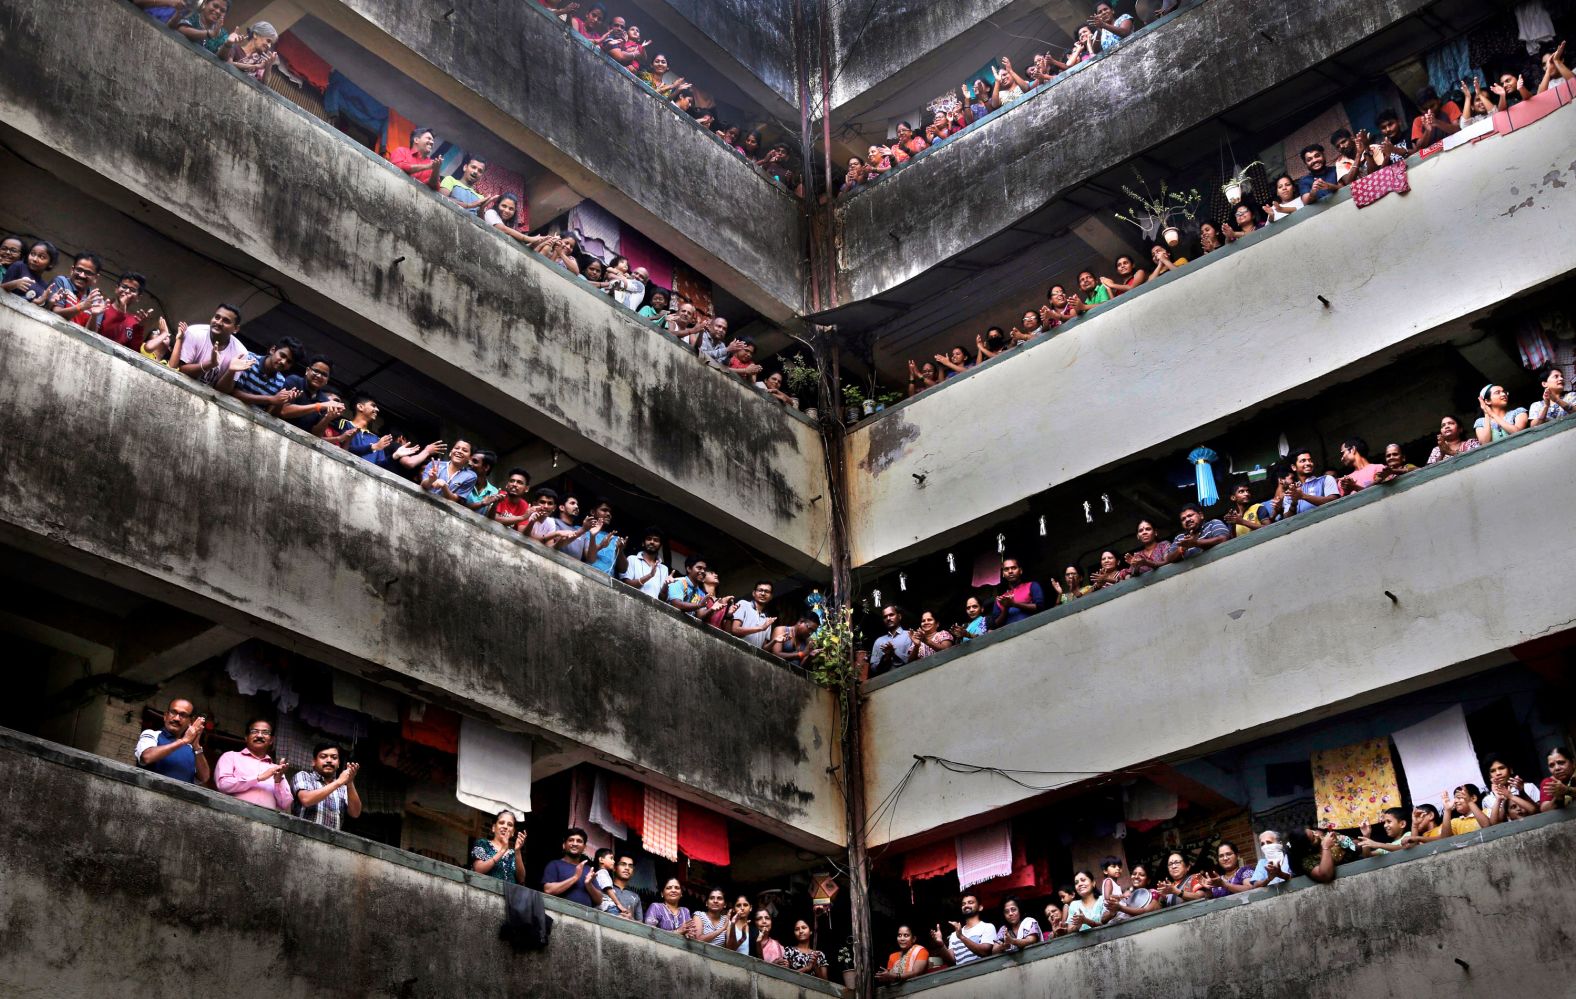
column 1434, row 917
column 254, row 182
column 613, row 140
column 1225, row 353
column 1155, row 87
column 190, row 885
column 752, row 44
column 194, row 499
column 1391, row 590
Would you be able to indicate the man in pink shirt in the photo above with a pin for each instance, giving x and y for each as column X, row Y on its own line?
column 1363, row 473
column 251, row 774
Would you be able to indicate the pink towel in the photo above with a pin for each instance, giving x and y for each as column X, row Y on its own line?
column 984, row 854
column 1389, row 180
column 660, row 833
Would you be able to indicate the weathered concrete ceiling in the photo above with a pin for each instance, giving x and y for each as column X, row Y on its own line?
column 627, row 149
column 354, row 241
column 1188, row 354
column 1394, row 589
column 749, row 41
column 287, row 538
column 1154, row 88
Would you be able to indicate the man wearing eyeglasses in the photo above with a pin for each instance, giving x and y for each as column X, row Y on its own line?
column 251, row 774
column 175, row 750
column 749, row 620
column 72, row 294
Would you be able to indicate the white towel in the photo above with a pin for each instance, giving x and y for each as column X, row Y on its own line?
column 494, row 768
column 984, row 854
column 1437, row 755
column 1533, row 25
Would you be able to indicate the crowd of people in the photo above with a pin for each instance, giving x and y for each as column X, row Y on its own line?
column 623, row 43
column 1120, row 894
column 323, row 792
column 1299, row 487
column 252, row 49
column 1349, row 157
column 295, row 386
column 1002, row 84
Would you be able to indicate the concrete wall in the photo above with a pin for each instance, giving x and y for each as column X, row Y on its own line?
column 1267, row 632
column 198, row 501
column 251, row 180
column 1461, row 918
column 614, row 141
column 881, row 48
column 1225, row 351
column 751, row 43
column 123, row 882
column 1007, row 169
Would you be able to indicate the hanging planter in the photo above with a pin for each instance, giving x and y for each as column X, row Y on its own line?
column 1239, row 185
column 1153, row 214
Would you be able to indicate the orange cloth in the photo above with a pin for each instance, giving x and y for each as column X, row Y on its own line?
column 307, row 64
column 397, row 133
column 931, row 861
column 917, row 957
column 703, row 834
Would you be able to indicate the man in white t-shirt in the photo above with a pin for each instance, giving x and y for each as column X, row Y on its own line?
column 749, row 620
column 969, row 940
column 208, row 349
column 645, row 568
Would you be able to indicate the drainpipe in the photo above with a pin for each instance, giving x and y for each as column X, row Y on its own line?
column 829, row 240
column 806, row 149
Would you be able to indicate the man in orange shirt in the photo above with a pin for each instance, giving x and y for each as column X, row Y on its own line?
column 1438, row 119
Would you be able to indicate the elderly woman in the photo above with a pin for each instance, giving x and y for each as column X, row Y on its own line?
column 908, row 143
column 1017, row 930
column 1030, row 325
column 1154, row 551
column 879, row 161
column 252, row 52
column 1558, row 789
column 668, row 914
column 1180, row 883
column 1498, row 420
column 1449, row 441
column 205, row 26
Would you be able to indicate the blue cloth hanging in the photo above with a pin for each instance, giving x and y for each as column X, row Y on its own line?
column 1447, row 66
column 1201, row 457
column 344, row 97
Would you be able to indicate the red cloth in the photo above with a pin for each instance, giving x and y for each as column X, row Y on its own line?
column 1435, row 149
column 396, row 133
column 307, row 64
column 642, row 252
column 1389, row 180
column 931, row 861
column 703, row 834
column 434, row 726
column 627, row 801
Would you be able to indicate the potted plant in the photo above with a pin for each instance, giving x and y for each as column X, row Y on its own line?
column 886, row 399
column 1160, row 215
column 800, row 378
column 853, row 402
column 1239, row 185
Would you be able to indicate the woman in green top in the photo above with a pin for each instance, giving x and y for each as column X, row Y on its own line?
column 499, row 856
column 205, row 26
column 656, row 307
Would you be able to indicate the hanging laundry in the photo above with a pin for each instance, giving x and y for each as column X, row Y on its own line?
column 703, row 834
column 1389, row 180
column 582, row 784
column 691, row 287
column 431, row 725
column 984, row 854
column 1535, row 349
column 303, row 62
column 602, row 811
column 333, row 720
column 642, row 252
column 931, row 861
column 343, row 97
column 367, row 698
column 660, row 829
column 256, row 666
column 1353, row 783
column 627, row 801
column 1533, row 25
column 1448, row 65
column 596, row 229
column 493, row 771
column 396, row 134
